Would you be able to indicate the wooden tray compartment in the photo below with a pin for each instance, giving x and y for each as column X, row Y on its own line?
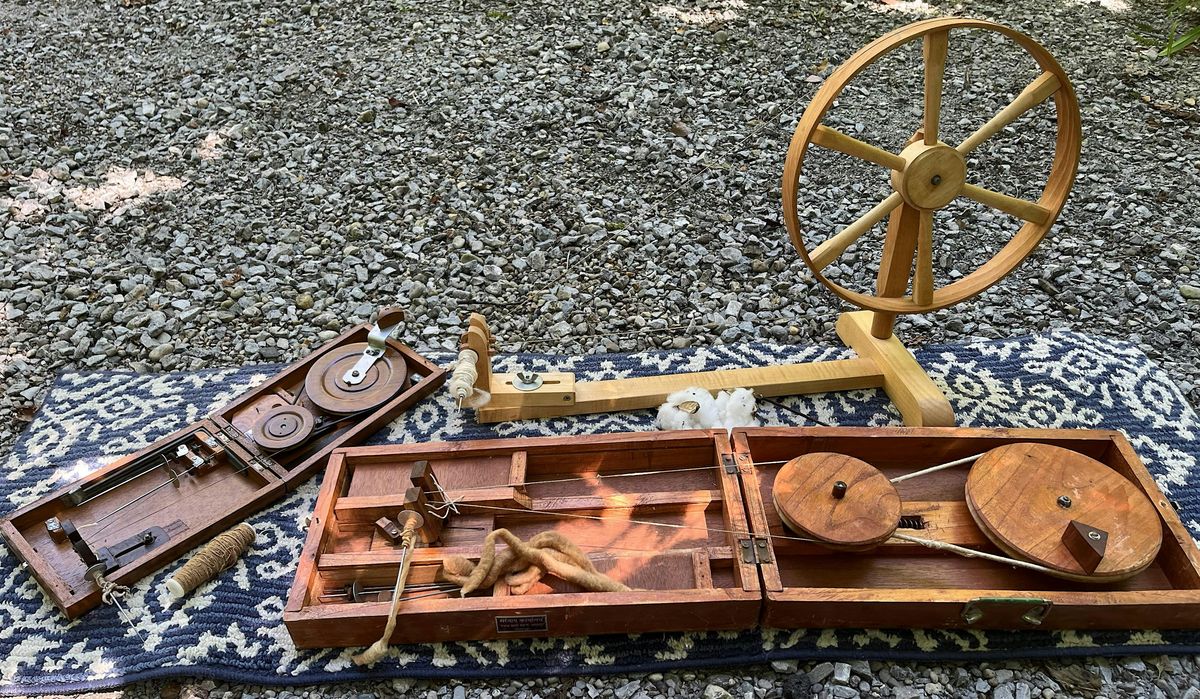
column 902, row 584
column 199, row 504
column 690, row 576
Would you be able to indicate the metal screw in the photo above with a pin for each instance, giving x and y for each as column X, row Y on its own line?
column 937, row 179
column 354, row 373
column 1094, row 536
column 1064, row 501
column 839, row 489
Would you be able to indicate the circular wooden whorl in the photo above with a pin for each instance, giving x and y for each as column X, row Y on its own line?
column 1025, row 496
column 840, row 501
column 326, row 388
column 283, row 427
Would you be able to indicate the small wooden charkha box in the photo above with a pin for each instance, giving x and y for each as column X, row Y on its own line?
column 142, row 511
column 907, row 585
column 655, row 511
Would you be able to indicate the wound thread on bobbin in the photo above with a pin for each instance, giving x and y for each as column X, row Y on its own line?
column 462, row 381
column 217, row 555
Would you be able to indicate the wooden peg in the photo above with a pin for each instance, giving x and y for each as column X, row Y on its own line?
column 431, row 528
column 1086, row 544
column 421, row 476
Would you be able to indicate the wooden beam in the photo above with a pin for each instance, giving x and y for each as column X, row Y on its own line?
column 650, row 391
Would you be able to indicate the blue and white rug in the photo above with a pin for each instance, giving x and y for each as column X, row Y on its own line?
column 232, row 629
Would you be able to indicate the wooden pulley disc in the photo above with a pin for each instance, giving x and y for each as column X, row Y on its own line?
column 283, row 427
column 840, row 501
column 929, row 174
column 327, row 389
column 1063, row 510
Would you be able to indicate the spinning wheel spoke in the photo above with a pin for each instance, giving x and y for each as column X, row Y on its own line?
column 934, row 51
column 836, row 140
column 831, row 249
column 922, row 286
column 1034, row 94
column 1022, row 209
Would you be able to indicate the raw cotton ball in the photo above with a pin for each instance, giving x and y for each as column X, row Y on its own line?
column 684, row 409
column 738, row 408
column 696, row 408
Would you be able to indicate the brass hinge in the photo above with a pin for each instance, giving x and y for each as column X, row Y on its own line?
column 755, row 550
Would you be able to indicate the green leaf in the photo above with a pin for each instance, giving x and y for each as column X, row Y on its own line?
column 1180, row 43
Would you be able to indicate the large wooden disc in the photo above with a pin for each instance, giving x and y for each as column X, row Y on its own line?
column 1014, row 492
column 327, row 390
column 865, row 515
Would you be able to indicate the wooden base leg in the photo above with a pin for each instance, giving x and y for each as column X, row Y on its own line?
column 920, row 401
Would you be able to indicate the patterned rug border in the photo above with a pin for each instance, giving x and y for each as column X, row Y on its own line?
column 230, row 676
column 741, row 354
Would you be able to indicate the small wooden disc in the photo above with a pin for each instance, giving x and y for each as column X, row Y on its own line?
column 1024, row 496
column 806, row 498
column 283, row 427
column 329, row 392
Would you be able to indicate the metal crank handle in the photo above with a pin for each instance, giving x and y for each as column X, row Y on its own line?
column 376, row 345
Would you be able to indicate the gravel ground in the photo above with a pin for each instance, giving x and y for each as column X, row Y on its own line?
column 189, row 184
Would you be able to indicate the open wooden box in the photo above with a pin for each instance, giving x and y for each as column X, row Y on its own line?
column 691, row 574
column 141, row 512
column 902, row 584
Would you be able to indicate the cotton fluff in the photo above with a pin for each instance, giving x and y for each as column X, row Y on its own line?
column 726, row 410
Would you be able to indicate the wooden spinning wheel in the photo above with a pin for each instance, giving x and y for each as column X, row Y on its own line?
column 928, row 174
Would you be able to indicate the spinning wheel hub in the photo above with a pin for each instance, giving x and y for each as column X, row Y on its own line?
column 327, row 388
column 933, row 176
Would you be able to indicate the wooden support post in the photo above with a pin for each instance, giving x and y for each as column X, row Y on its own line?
column 897, row 261
column 478, row 337
column 920, row 401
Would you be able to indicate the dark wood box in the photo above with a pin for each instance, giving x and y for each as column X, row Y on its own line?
column 196, row 507
column 691, row 576
column 902, row 584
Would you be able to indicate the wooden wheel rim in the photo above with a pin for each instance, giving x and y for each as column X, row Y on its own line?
column 325, row 388
column 1053, row 197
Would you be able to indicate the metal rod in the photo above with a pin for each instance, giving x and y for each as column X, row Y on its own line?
column 150, row 492
column 150, row 469
column 939, row 467
column 381, row 588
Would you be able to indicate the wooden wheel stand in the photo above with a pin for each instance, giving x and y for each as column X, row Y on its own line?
column 881, row 363
column 926, row 175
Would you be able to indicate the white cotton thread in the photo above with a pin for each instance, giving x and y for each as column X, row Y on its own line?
column 463, row 376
